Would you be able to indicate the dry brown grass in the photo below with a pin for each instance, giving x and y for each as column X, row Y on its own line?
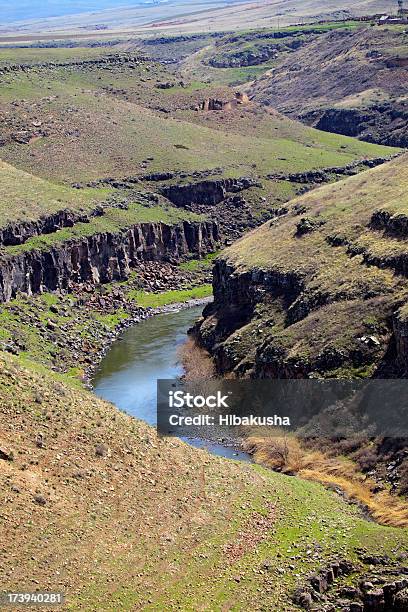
column 287, row 454
column 196, row 361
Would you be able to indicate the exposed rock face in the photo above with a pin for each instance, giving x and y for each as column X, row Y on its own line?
column 324, row 175
column 265, row 46
column 393, row 225
column 205, row 192
column 18, row 233
column 400, row 325
column 373, row 593
column 110, row 60
column 385, row 124
column 257, row 56
column 238, row 327
column 103, row 257
column 236, row 296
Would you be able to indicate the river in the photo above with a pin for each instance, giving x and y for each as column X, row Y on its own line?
column 144, row 353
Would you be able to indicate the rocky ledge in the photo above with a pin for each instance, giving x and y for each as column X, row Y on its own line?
column 383, row 588
column 102, row 62
column 259, row 316
column 102, row 258
column 20, row 231
column 385, row 123
column 209, row 192
column 325, row 175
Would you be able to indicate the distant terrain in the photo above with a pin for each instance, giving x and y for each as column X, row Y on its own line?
column 34, row 9
column 186, row 15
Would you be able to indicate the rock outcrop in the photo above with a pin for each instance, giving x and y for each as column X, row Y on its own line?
column 101, row 62
column 261, row 319
column 383, row 589
column 20, row 232
column 400, row 327
column 324, row 175
column 208, row 192
column 381, row 123
column 101, row 258
column 237, row 294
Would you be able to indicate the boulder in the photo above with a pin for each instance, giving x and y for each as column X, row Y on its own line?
column 401, row 601
column 374, row 601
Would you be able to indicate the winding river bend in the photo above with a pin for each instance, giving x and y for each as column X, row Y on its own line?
column 144, row 353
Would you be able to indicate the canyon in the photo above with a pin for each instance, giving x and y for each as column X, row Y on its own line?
column 127, row 186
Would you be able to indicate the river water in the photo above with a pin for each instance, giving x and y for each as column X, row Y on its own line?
column 127, row 376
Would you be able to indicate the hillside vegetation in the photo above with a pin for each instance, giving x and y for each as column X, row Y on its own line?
column 91, row 507
column 28, row 197
column 316, row 282
column 105, row 121
column 350, row 82
column 77, row 116
column 240, row 57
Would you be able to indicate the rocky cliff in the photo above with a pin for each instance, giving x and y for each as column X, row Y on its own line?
column 209, row 192
column 263, row 325
column 246, row 303
column 381, row 123
column 101, row 258
column 19, row 232
column 320, row 291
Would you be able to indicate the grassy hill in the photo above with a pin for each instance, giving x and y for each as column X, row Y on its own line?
column 87, row 121
column 333, row 273
column 99, row 124
column 96, row 506
column 351, row 82
column 27, row 197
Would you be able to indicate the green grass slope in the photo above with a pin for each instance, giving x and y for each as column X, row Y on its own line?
column 103, row 122
column 25, row 197
column 96, row 506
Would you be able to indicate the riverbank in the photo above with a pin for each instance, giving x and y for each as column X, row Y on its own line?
column 145, row 353
column 132, row 321
column 69, row 332
column 124, row 517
